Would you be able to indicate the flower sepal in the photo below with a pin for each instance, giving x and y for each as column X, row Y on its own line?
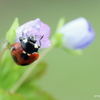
column 57, row 38
column 11, row 34
column 73, row 52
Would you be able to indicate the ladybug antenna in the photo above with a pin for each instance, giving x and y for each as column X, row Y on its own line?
column 22, row 34
column 26, row 35
column 40, row 40
column 35, row 36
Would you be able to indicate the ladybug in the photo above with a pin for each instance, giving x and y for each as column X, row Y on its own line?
column 25, row 52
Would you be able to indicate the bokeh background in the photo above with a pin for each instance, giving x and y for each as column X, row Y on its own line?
column 68, row 77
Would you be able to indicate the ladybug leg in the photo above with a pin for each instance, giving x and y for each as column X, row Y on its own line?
column 40, row 41
column 22, row 34
column 8, row 45
column 21, row 38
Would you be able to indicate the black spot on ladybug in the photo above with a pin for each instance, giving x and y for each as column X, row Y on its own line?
column 25, row 64
column 15, row 59
column 24, row 56
column 13, row 48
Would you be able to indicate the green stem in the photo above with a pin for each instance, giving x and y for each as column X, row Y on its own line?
column 27, row 73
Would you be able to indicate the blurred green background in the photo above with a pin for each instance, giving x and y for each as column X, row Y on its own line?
column 68, row 77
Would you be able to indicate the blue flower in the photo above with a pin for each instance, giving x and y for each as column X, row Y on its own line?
column 77, row 34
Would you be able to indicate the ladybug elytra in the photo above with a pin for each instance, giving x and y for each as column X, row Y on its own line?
column 25, row 52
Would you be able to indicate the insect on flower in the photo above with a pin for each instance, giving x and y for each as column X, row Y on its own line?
column 34, row 36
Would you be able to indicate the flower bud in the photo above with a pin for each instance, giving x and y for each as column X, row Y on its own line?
column 77, row 34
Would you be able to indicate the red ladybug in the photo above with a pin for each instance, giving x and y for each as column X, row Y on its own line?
column 25, row 52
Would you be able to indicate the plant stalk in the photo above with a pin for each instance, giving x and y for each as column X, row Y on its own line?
column 28, row 71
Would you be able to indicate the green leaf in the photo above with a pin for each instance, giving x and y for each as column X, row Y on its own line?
column 5, row 95
column 6, row 57
column 33, row 92
column 37, row 72
column 9, row 71
column 73, row 52
column 11, row 34
column 30, row 89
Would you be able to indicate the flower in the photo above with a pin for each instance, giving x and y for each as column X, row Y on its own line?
column 36, row 28
column 77, row 34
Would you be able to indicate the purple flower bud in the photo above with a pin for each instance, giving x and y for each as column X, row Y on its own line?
column 36, row 28
column 78, row 34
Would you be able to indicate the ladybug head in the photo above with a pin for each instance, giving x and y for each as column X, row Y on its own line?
column 29, row 44
column 31, row 39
